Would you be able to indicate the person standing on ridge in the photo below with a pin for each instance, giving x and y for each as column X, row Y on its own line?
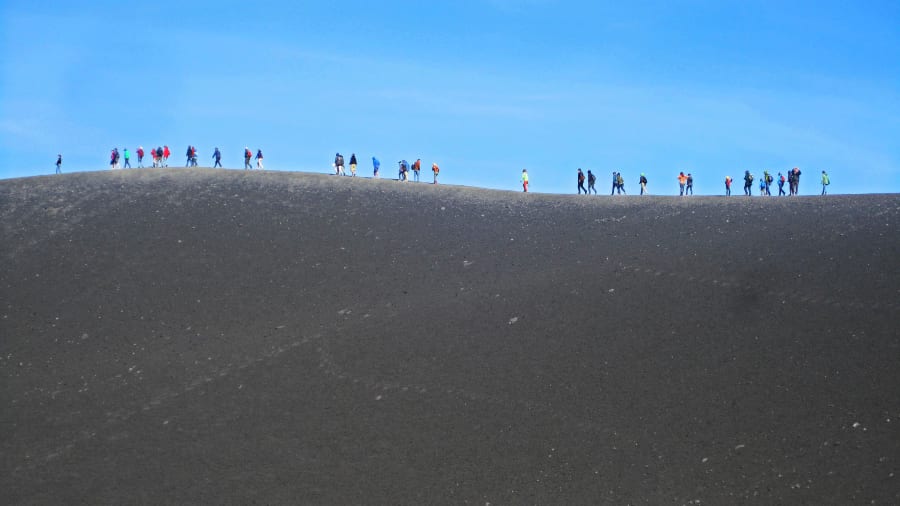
column 769, row 181
column 140, row 153
column 682, row 181
column 247, row 156
column 160, row 156
column 436, row 170
column 592, row 180
column 781, row 184
column 727, row 186
column 353, row 164
column 690, row 185
column 796, row 188
column 375, row 165
column 58, row 164
column 217, row 156
column 748, row 183
column 259, row 160
column 127, row 156
column 193, row 156
column 338, row 164
column 643, row 183
column 166, row 154
column 416, row 167
column 615, row 184
column 581, row 182
column 188, row 154
column 825, row 182
column 525, row 180
column 762, row 186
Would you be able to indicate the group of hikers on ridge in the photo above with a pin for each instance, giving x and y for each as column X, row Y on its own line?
column 403, row 172
column 161, row 154
column 686, row 183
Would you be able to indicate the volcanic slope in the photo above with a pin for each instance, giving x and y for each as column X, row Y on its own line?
column 222, row 337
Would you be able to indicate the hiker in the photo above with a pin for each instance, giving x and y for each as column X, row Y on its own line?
column 621, row 182
column 404, row 168
column 615, row 183
column 436, row 170
column 682, row 182
column 581, row 182
column 643, row 183
column 795, row 189
column 353, row 164
column 690, row 184
column 762, row 187
column 376, row 165
column 769, row 180
column 188, row 154
column 825, row 182
column 140, row 153
column 160, row 154
column 780, row 184
column 166, row 154
column 193, row 156
column 58, row 164
column 748, row 183
column 247, row 156
column 416, row 167
column 127, row 156
column 259, row 160
column 728, row 186
column 592, row 179
column 338, row 164
column 113, row 158
column 217, row 156
column 525, row 180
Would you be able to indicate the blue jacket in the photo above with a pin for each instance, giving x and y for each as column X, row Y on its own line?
column 375, row 162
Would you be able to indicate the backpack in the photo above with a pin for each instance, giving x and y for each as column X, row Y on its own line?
column 592, row 178
column 782, row 179
column 769, row 178
column 750, row 177
column 580, row 177
column 643, row 180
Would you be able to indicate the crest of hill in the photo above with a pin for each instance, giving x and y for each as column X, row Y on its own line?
column 201, row 336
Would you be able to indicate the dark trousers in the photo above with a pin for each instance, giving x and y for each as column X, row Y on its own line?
column 591, row 187
column 127, row 163
column 581, row 187
column 218, row 163
column 727, row 191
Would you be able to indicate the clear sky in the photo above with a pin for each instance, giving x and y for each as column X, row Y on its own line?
column 483, row 87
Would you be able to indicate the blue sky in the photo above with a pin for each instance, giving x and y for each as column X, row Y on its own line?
column 483, row 87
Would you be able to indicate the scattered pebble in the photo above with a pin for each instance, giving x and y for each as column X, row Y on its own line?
column 514, row 319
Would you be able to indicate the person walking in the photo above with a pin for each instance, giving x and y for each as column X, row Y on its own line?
column 581, row 182
column 160, row 156
column 259, row 160
column 748, row 183
column 592, row 180
column 762, row 186
column 114, row 158
column 621, row 182
column 416, row 167
column 682, row 182
column 194, row 156
column 403, row 176
column 689, row 188
column 127, row 156
column 615, row 183
column 339, row 164
column 525, row 180
column 769, row 181
column 780, row 184
column 59, row 164
column 140, row 153
column 643, row 183
column 376, row 165
column 436, row 170
column 353, row 164
column 248, row 155
column 727, row 186
column 166, row 154
column 825, row 182
column 187, row 154
column 796, row 188
column 217, row 156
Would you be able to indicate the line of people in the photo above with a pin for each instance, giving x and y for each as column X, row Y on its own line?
column 618, row 183
column 767, row 179
column 161, row 154
column 404, row 168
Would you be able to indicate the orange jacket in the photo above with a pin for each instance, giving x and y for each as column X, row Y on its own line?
column 682, row 179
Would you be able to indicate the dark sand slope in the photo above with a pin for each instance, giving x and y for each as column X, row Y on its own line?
column 222, row 337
